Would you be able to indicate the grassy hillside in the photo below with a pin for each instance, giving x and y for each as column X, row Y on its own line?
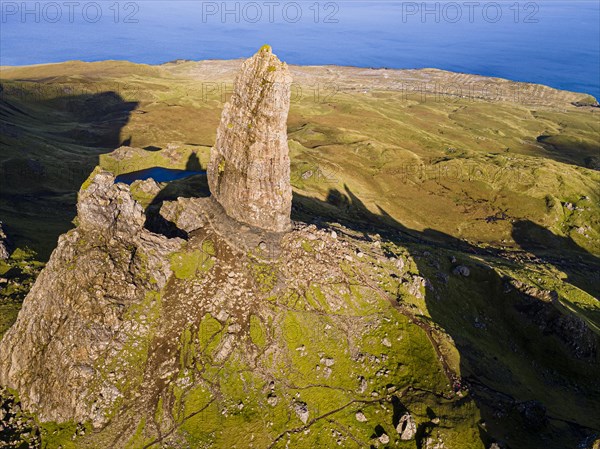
column 467, row 167
column 452, row 169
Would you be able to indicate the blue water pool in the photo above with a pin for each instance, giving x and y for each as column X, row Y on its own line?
column 159, row 174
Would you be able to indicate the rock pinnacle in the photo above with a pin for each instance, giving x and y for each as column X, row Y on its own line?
column 249, row 168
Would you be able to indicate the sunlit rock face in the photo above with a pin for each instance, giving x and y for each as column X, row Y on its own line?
column 82, row 315
column 249, row 169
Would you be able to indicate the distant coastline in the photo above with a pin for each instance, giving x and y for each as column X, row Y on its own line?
column 557, row 45
column 446, row 79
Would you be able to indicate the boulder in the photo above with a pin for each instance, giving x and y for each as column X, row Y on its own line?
column 301, row 410
column 406, row 428
column 462, row 270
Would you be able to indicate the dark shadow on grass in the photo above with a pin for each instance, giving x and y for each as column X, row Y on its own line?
column 50, row 145
column 570, row 150
column 528, row 365
column 193, row 163
column 582, row 267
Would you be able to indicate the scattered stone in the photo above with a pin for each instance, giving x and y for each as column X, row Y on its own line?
column 461, row 270
column 148, row 186
column 362, row 384
column 360, row 417
column 406, row 428
column 234, row 328
column 414, row 288
column 430, row 443
column 301, row 410
column 400, row 263
column 386, row 342
column 327, row 361
column 384, row 438
column 222, row 315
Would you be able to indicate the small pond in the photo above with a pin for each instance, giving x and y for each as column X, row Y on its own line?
column 159, row 174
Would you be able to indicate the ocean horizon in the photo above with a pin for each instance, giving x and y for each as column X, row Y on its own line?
column 555, row 43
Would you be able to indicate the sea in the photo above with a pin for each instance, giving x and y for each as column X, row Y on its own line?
column 551, row 42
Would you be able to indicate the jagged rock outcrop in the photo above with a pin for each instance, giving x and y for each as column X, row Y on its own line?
column 4, row 252
column 144, row 335
column 80, row 313
column 191, row 214
column 249, row 169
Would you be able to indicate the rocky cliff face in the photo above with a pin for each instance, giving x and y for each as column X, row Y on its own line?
column 249, row 169
column 80, row 313
column 154, row 339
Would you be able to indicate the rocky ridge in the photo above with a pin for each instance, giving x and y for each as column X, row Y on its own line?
column 124, row 316
column 125, row 326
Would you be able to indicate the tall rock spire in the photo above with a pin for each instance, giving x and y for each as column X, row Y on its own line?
column 249, row 168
